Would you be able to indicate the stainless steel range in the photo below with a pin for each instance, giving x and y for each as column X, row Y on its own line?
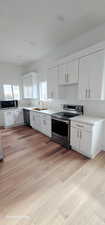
column 61, row 124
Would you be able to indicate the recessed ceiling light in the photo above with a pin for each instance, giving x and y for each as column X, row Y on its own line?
column 60, row 18
column 32, row 43
column 19, row 56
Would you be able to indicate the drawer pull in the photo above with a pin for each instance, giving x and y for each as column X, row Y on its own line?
column 79, row 126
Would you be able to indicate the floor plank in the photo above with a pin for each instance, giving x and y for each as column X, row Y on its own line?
column 42, row 183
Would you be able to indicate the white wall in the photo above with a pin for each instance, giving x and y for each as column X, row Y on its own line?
column 10, row 74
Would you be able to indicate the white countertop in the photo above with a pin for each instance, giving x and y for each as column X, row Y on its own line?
column 30, row 108
column 48, row 111
column 87, row 119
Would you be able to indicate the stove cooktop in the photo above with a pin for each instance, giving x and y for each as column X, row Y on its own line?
column 64, row 115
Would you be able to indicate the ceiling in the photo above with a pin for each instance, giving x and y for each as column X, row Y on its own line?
column 30, row 29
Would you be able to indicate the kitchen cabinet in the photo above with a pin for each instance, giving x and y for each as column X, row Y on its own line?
column 35, row 120
column 32, row 119
column 30, row 86
column 52, row 83
column 12, row 117
column 41, row 122
column 92, row 77
column 46, row 124
column 18, row 116
column 86, row 139
column 68, row 73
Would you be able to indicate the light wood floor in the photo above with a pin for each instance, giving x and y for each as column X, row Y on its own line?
column 41, row 183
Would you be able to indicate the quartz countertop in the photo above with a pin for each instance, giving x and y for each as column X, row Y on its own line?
column 87, row 119
column 30, row 108
column 48, row 111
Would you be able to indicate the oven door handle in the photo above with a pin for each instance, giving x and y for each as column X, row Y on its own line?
column 65, row 121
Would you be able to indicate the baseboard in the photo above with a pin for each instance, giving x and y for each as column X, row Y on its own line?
column 14, row 125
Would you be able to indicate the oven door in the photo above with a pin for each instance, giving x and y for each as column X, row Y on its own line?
column 60, row 131
column 60, row 127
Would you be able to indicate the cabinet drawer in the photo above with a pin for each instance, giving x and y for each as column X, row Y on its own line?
column 83, row 126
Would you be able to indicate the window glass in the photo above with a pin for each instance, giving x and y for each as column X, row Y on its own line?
column 7, row 91
column 16, row 92
column 11, row 92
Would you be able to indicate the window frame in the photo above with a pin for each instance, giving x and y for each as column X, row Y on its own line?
column 12, row 92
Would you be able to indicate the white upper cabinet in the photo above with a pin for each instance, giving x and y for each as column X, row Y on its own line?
column 52, row 83
column 30, row 86
column 92, row 76
column 68, row 73
column 62, row 76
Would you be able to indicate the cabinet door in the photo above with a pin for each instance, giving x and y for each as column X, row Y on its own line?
column 72, row 72
column 83, row 78
column 85, row 142
column 32, row 118
column 27, row 87
column 74, row 138
column 9, row 118
column 52, row 83
column 20, row 116
column 96, row 75
column 38, row 121
column 62, row 74
column 46, row 124
column 92, row 77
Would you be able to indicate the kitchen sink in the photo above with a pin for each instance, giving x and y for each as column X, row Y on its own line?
column 39, row 109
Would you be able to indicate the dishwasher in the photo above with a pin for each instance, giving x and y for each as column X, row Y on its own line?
column 26, row 114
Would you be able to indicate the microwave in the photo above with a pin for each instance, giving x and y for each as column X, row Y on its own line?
column 8, row 104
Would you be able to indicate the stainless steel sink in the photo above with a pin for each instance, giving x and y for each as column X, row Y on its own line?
column 39, row 109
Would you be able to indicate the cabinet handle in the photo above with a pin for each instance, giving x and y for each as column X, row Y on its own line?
column 86, row 93
column 79, row 126
column 80, row 134
column 89, row 93
column 44, row 121
column 65, row 76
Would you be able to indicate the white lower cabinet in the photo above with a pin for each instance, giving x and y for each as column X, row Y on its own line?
column 86, row 139
column 41, row 122
column 35, row 120
column 12, row 117
column 32, row 119
column 46, row 124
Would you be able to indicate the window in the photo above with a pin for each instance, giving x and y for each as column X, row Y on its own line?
column 16, row 92
column 7, row 91
column 43, row 90
column 11, row 92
